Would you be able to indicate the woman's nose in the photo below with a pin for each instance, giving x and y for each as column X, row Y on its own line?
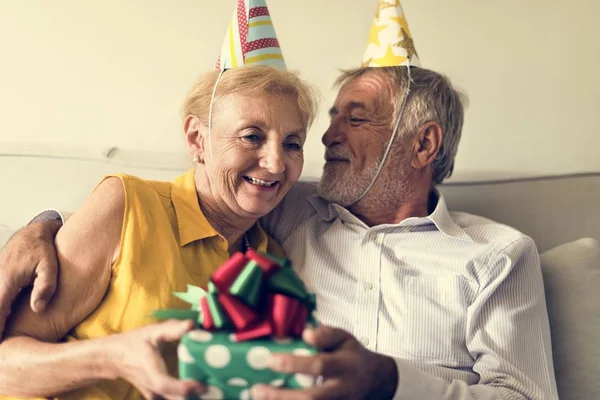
column 273, row 161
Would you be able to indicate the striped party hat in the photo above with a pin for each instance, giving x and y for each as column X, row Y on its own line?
column 390, row 42
column 250, row 38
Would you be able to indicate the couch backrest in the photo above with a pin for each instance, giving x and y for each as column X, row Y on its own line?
column 552, row 210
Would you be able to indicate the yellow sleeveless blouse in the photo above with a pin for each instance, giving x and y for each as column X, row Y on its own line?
column 166, row 244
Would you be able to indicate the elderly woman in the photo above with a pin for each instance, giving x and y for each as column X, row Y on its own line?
column 134, row 242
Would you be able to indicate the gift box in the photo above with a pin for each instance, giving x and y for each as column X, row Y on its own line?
column 255, row 305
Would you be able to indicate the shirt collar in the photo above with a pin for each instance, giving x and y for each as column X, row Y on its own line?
column 440, row 216
column 326, row 210
column 192, row 222
column 443, row 220
column 258, row 236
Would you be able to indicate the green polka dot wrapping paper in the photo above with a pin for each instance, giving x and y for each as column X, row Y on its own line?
column 255, row 305
column 230, row 368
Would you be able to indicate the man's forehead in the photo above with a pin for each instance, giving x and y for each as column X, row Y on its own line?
column 361, row 92
column 355, row 97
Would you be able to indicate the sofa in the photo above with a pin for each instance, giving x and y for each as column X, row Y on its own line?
column 556, row 211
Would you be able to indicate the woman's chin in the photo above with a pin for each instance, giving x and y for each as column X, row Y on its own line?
column 257, row 210
column 258, row 202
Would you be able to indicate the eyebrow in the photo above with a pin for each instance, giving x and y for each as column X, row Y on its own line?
column 356, row 104
column 252, row 121
column 259, row 124
column 300, row 133
column 351, row 106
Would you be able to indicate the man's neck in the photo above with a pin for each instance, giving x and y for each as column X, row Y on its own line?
column 379, row 207
column 373, row 216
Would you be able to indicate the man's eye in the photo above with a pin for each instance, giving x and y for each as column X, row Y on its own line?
column 356, row 120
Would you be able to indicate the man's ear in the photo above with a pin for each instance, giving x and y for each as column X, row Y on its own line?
column 427, row 145
column 195, row 137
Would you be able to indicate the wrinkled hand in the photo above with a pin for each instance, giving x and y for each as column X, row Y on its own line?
column 29, row 258
column 349, row 370
column 136, row 358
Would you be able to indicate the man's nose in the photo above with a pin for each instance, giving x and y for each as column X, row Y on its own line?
column 335, row 133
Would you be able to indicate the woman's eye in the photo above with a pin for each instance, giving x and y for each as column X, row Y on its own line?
column 252, row 138
column 356, row 120
column 294, row 146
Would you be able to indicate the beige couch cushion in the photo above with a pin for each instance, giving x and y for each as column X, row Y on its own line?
column 552, row 210
column 572, row 281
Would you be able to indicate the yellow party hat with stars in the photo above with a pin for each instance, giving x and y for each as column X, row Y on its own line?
column 250, row 38
column 390, row 42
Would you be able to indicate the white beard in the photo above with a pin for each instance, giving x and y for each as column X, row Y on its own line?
column 339, row 184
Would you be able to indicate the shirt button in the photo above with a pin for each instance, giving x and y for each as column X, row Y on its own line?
column 364, row 341
column 368, row 286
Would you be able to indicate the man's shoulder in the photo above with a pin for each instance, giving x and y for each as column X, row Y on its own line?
column 497, row 248
column 303, row 190
column 297, row 199
column 486, row 231
column 294, row 209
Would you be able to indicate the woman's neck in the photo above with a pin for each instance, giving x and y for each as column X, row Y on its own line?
column 233, row 231
column 221, row 218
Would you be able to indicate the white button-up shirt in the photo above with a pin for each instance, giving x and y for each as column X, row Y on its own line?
column 456, row 299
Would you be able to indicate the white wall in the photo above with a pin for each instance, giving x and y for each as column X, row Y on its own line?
column 78, row 77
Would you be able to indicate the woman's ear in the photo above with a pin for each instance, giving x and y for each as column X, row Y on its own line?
column 427, row 145
column 195, row 137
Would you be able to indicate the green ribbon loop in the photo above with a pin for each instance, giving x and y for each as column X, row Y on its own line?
column 219, row 316
column 248, row 284
column 285, row 281
column 283, row 262
column 311, row 302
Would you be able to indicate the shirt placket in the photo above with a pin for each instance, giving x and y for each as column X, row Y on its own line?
column 368, row 289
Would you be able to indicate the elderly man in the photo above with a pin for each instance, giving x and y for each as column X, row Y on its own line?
column 416, row 302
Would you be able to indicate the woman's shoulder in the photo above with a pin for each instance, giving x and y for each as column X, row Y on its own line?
column 141, row 199
column 136, row 184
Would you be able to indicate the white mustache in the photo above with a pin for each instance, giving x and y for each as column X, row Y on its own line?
column 337, row 154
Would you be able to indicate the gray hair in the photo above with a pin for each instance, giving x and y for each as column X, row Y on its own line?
column 432, row 98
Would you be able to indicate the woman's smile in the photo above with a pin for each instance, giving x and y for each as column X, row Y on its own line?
column 262, row 185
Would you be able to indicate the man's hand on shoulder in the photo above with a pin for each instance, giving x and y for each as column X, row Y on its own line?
column 29, row 258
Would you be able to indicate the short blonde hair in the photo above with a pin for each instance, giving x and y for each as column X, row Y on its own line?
column 250, row 79
column 432, row 98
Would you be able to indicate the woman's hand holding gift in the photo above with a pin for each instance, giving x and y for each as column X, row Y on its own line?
column 135, row 356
